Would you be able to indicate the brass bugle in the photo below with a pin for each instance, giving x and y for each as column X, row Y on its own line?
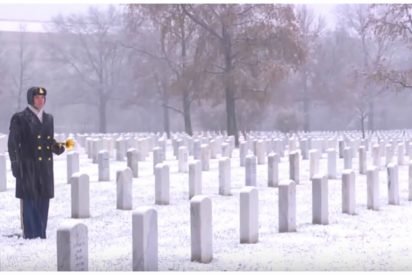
column 69, row 144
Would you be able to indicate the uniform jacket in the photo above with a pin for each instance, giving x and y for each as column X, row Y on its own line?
column 31, row 146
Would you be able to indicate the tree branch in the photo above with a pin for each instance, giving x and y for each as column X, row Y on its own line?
column 201, row 23
column 172, row 108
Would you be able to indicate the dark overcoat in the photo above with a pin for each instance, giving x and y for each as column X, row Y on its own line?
column 31, row 145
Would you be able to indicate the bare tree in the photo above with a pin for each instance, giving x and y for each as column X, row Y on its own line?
column 257, row 45
column 89, row 46
column 393, row 22
column 180, row 48
column 312, row 28
column 21, row 66
column 373, row 51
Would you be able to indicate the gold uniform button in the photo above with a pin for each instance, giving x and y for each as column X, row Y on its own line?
column 39, row 147
column 49, row 158
column 39, row 136
column 40, row 158
column 48, row 147
column 48, row 137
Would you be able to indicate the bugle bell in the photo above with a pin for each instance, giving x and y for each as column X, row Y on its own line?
column 68, row 144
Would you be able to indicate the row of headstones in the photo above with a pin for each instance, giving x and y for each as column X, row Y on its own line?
column 133, row 156
column 80, row 188
column 355, row 134
column 72, row 246
column 279, row 145
column 119, row 146
column 72, row 241
column 80, row 182
column 216, row 147
column 224, row 164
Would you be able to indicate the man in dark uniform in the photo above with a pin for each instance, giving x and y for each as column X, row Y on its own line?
column 31, row 146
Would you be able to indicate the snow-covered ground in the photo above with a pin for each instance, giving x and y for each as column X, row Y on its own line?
column 370, row 240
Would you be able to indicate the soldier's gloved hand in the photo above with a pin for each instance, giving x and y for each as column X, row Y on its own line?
column 15, row 168
column 58, row 148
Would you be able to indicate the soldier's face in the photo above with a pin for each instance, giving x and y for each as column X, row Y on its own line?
column 39, row 101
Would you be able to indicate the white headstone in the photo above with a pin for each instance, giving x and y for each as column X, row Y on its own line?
column 162, row 185
column 73, row 165
column 250, row 170
column 249, row 215
column 224, row 176
column 196, row 149
column 341, row 145
column 142, row 148
column 320, row 209
column 80, row 195
column 3, row 144
column 314, row 156
column 410, row 180
column 332, row 161
column 145, row 239
column 273, row 170
column 120, row 149
column 108, row 144
column 97, row 145
column 401, row 154
column 158, row 156
column 104, row 166
column 362, row 160
column 205, row 156
column 243, row 149
column 348, row 192
column 347, row 158
column 294, row 169
column 393, row 184
column 214, row 148
column 389, row 154
column 124, row 189
column 287, row 206
column 133, row 161
column 195, row 178
column 373, row 188
column 304, row 146
column 260, row 152
column 376, row 156
column 201, row 229
column 89, row 149
column 72, row 248
column 3, row 174
column 183, row 156
column 226, row 150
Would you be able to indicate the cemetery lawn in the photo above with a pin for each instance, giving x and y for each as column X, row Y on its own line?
column 369, row 240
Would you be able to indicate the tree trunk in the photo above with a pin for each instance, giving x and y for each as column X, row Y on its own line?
column 102, row 114
column 371, row 121
column 186, row 113
column 166, row 116
column 306, row 105
column 19, row 100
column 21, row 73
column 231, row 115
column 229, row 89
column 363, row 125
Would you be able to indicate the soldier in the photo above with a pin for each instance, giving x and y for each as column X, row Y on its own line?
column 31, row 146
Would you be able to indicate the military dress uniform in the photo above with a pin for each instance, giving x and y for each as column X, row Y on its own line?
column 31, row 146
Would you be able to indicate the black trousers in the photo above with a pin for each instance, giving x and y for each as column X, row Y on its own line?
column 35, row 213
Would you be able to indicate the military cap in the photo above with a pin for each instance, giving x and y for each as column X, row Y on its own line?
column 31, row 92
